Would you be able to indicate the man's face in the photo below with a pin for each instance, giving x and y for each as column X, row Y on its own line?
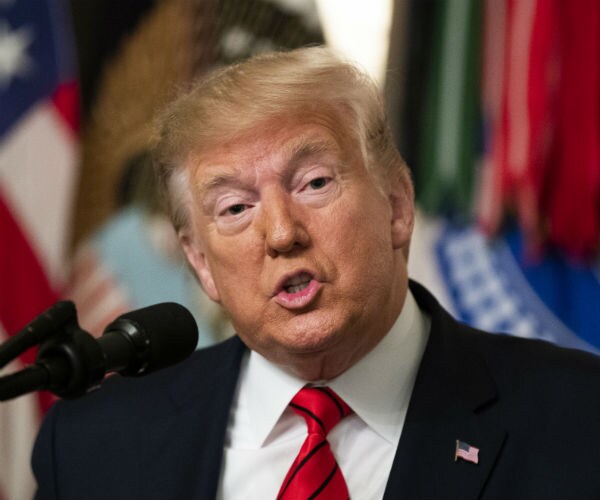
column 297, row 242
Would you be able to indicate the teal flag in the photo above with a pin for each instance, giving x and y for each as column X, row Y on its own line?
column 450, row 144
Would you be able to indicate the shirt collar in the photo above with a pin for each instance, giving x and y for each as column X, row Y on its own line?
column 378, row 396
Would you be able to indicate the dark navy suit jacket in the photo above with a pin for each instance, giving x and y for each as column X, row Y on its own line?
column 532, row 409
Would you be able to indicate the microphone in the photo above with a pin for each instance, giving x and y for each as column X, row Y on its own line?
column 142, row 341
column 135, row 344
column 52, row 321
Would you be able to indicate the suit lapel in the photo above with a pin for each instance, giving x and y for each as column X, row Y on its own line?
column 452, row 394
column 182, row 449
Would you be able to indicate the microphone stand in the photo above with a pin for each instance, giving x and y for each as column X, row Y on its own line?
column 51, row 322
column 69, row 361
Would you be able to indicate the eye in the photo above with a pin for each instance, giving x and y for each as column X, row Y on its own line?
column 319, row 182
column 236, row 209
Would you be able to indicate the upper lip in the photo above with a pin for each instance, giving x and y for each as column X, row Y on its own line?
column 287, row 277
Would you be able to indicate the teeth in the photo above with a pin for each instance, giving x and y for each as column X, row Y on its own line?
column 295, row 288
column 300, row 278
column 297, row 283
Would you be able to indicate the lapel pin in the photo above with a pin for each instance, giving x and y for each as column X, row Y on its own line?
column 466, row 452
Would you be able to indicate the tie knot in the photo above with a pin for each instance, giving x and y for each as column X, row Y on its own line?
column 321, row 408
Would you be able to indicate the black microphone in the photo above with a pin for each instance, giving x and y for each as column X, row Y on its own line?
column 142, row 341
column 52, row 321
column 136, row 343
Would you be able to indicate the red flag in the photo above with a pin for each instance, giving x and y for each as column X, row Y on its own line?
column 38, row 103
column 573, row 198
column 543, row 156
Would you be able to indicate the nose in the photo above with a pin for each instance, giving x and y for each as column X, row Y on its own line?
column 282, row 225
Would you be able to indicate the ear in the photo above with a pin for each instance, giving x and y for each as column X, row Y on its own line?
column 197, row 260
column 402, row 201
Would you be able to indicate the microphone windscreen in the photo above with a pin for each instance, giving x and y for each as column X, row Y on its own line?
column 169, row 329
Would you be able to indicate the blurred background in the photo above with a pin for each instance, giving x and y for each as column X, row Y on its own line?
column 494, row 104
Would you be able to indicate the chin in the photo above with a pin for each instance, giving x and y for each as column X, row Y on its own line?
column 306, row 334
column 309, row 339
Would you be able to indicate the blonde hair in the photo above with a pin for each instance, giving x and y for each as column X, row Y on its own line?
column 236, row 98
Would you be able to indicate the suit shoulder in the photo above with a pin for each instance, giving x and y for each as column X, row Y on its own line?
column 502, row 352
column 531, row 353
column 539, row 371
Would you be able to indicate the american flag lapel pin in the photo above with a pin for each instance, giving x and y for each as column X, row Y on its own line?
column 466, row 452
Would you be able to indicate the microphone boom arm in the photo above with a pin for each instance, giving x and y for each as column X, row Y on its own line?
column 53, row 321
column 68, row 365
column 72, row 362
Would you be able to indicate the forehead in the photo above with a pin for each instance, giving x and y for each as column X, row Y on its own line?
column 275, row 144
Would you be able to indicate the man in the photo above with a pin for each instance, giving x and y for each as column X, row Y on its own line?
column 295, row 212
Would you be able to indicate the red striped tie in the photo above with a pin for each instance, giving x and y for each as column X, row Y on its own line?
column 315, row 473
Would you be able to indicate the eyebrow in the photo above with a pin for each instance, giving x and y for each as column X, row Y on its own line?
column 219, row 179
column 306, row 150
column 300, row 152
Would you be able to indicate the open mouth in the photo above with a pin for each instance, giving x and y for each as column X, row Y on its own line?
column 297, row 283
column 297, row 291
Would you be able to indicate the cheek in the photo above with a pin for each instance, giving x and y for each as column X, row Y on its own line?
column 363, row 229
column 367, row 260
column 360, row 241
column 236, row 266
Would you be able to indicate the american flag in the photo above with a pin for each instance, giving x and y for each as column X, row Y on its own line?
column 466, row 452
column 38, row 157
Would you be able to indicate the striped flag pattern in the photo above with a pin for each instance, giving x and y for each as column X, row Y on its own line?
column 466, row 452
column 541, row 95
column 38, row 154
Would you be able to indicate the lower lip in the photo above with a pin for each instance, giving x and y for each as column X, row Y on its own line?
column 301, row 299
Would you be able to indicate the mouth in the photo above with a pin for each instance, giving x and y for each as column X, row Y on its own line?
column 297, row 283
column 297, row 290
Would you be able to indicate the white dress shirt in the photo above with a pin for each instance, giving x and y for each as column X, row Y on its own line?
column 264, row 435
